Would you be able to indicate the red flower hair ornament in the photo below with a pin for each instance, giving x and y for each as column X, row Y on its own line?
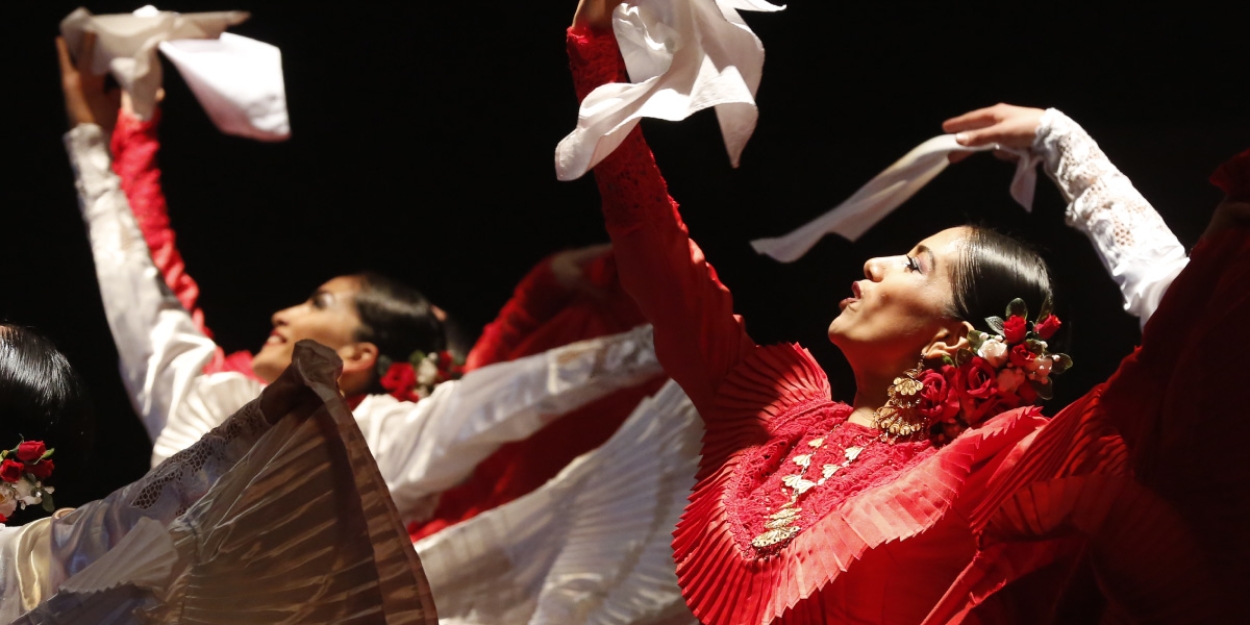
column 414, row 379
column 1003, row 369
column 22, row 471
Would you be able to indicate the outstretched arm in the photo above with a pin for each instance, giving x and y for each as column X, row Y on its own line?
column 698, row 337
column 425, row 448
column 162, row 351
column 1135, row 245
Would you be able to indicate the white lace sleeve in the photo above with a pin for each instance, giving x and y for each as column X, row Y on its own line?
column 1135, row 245
column 162, row 352
column 87, row 533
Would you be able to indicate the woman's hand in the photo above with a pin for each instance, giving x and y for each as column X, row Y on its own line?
column 86, row 101
column 596, row 14
column 1002, row 124
column 1008, row 126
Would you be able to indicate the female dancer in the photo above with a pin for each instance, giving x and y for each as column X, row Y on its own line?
column 184, row 541
column 932, row 496
column 422, row 449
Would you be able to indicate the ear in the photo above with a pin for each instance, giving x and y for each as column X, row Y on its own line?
column 358, row 358
column 952, row 337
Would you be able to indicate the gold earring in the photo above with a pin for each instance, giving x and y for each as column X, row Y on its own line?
column 899, row 417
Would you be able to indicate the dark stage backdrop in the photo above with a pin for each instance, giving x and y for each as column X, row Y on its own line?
column 422, row 147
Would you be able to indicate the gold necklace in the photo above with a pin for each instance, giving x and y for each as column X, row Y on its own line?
column 780, row 525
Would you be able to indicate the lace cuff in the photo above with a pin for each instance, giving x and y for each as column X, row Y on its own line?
column 166, row 492
column 1133, row 242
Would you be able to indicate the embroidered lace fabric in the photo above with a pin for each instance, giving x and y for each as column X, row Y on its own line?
column 757, row 489
column 1135, row 245
column 192, row 470
column 208, row 537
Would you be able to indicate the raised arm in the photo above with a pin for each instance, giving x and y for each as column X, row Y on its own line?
column 134, row 146
column 162, row 351
column 425, row 448
column 698, row 337
column 1134, row 244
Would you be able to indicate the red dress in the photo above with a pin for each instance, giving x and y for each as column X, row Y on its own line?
column 904, row 532
column 542, row 315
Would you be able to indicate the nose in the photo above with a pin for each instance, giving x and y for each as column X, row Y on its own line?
column 872, row 269
column 282, row 317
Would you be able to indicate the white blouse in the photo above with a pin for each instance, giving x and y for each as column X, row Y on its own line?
column 421, row 448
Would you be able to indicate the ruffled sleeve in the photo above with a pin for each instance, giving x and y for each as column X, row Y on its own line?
column 544, row 314
column 134, row 146
column 698, row 337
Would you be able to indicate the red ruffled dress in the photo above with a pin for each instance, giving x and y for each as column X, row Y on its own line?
column 989, row 528
column 543, row 315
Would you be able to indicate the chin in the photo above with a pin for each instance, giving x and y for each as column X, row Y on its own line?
column 837, row 330
column 268, row 366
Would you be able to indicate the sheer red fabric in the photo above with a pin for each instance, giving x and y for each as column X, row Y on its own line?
column 1004, row 524
column 542, row 315
column 134, row 146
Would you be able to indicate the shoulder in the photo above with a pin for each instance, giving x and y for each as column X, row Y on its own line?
column 772, row 381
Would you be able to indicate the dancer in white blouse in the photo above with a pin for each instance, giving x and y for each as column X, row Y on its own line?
column 288, row 473
column 421, row 448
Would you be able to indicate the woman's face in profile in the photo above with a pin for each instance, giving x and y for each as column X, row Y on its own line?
column 902, row 302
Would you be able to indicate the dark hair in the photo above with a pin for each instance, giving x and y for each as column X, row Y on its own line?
column 397, row 318
column 993, row 270
column 42, row 398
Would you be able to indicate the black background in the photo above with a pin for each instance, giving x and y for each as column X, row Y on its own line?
column 422, row 147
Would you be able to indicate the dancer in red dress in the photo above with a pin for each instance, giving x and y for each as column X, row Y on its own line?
column 987, row 524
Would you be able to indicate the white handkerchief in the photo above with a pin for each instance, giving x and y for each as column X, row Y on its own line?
column 237, row 80
column 890, row 188
column 682, row 56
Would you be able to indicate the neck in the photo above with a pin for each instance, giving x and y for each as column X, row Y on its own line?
column 871, row 393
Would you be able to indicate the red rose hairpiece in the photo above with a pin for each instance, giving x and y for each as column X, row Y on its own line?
column 414, row 379
column 1003, row 369
column 22, row 471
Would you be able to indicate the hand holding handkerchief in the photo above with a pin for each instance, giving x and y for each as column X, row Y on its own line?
column 237, row 80
column 682, row 56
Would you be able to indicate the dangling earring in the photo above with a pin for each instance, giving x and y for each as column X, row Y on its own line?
column 899, row 418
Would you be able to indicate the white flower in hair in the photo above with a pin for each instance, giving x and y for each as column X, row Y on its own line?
column 427, row 371
column 994, row 350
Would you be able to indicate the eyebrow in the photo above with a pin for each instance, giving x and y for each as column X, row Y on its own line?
column 924, row 249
